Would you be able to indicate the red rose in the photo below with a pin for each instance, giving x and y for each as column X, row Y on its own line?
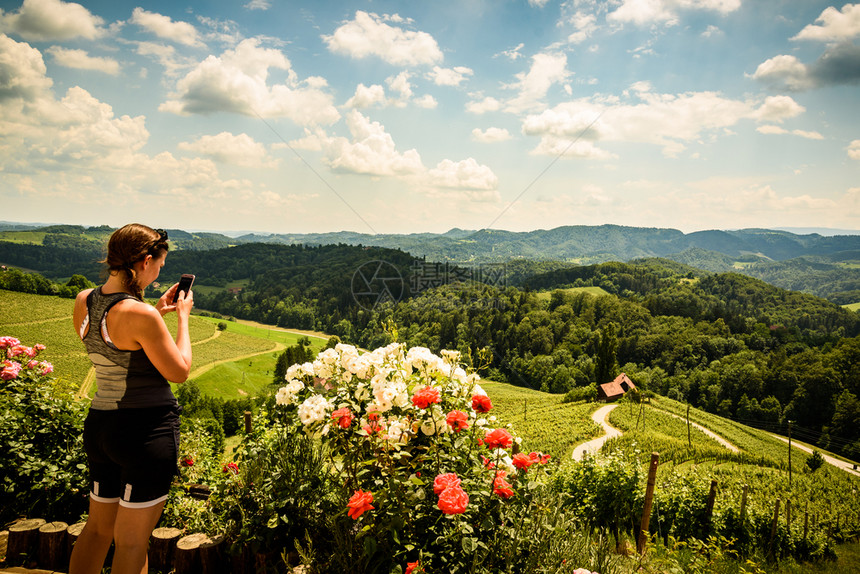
column 457, row 420
column 187, row 461
column 453, row 500
column 499, row 438
column 501, row 486
column 539, row 457
column 343, row 417
column 481, row 403
column 488, row 463
column 358, row 503
column 413, row 568
column 444, row 481
column 231, row 467
column 425, row 397
column 522, row 461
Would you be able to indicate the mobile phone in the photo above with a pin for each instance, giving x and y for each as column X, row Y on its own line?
column 185, row 283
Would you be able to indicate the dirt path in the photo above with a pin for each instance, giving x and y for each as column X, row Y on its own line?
column 708, row 432
column 315, row 334
column 844, row 465
column 599, row 416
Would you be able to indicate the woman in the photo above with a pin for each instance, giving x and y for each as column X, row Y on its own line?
column 131, row 433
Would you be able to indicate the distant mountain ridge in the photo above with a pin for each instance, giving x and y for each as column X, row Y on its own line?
column 583, row 244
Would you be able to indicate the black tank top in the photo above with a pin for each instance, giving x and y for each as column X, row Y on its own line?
column 126, row 379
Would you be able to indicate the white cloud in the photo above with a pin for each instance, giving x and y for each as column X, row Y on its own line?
column 777, row 130
column 546, row 70
column 166, row 55
column 834, row 25
column 784, row 70
column 225, row 147
column 426, row 101
column 236, row 82
column 671, row 121
column 23, row 71
column 52, row 20
column 258, row 5
column 778, row 109
column 467, row 174
column 646, row 12
column 79, row 59
column 538, row 3
column 369, row 35
column 584, row 26
column 164, row 27
column 371, row 150
column 483, row 105
column 711, row 31
column 854, row 150
column 401, row 84
column 449, row 76
column 514, row 53
column 367, row 96
column 491, row 135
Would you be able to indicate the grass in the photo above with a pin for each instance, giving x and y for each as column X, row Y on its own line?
column 541, row 419
column 596, row 291
column 852, row 306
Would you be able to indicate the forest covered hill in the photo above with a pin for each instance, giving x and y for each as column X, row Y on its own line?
column 827, row 266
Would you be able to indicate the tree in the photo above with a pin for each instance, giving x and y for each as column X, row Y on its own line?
column 606, row 362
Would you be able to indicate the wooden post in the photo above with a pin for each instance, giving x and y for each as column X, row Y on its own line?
column 789, row 455
column 248, row 425
column 23, row 541
column 162, row 548
column 773, row 527
column 788, row 513
column 709, row 508
column 805, row 524
column 212, row 556
column 53, row 552
column 689, row 437
column 525, row 408
column 649, row 499
column 744, row 503
column 187, row 557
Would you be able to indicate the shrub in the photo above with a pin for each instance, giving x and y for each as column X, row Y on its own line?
column 815, row 461
column 42, row 461
column 416, row 470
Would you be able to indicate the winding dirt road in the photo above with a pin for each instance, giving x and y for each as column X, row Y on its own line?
column 599, row 416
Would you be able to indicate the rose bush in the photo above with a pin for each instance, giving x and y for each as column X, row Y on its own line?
column 42, row 462
column 426, row 477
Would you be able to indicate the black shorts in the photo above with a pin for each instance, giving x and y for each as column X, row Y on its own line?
column 132, row 454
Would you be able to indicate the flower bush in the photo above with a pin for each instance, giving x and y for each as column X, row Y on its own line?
column 42, row 462
column 428, row 480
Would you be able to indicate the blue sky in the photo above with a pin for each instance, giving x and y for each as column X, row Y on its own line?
column 402, row 117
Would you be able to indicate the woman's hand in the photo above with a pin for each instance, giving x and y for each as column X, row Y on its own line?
column 165, row 302
column 184, row 303
column 166, row 305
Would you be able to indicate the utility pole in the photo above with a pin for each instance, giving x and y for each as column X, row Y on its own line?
column 689, row 439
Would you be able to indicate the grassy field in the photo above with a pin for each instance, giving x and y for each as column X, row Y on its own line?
column 47, row 320
column 596, row 291
column 853, row 306
column 541, row 419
